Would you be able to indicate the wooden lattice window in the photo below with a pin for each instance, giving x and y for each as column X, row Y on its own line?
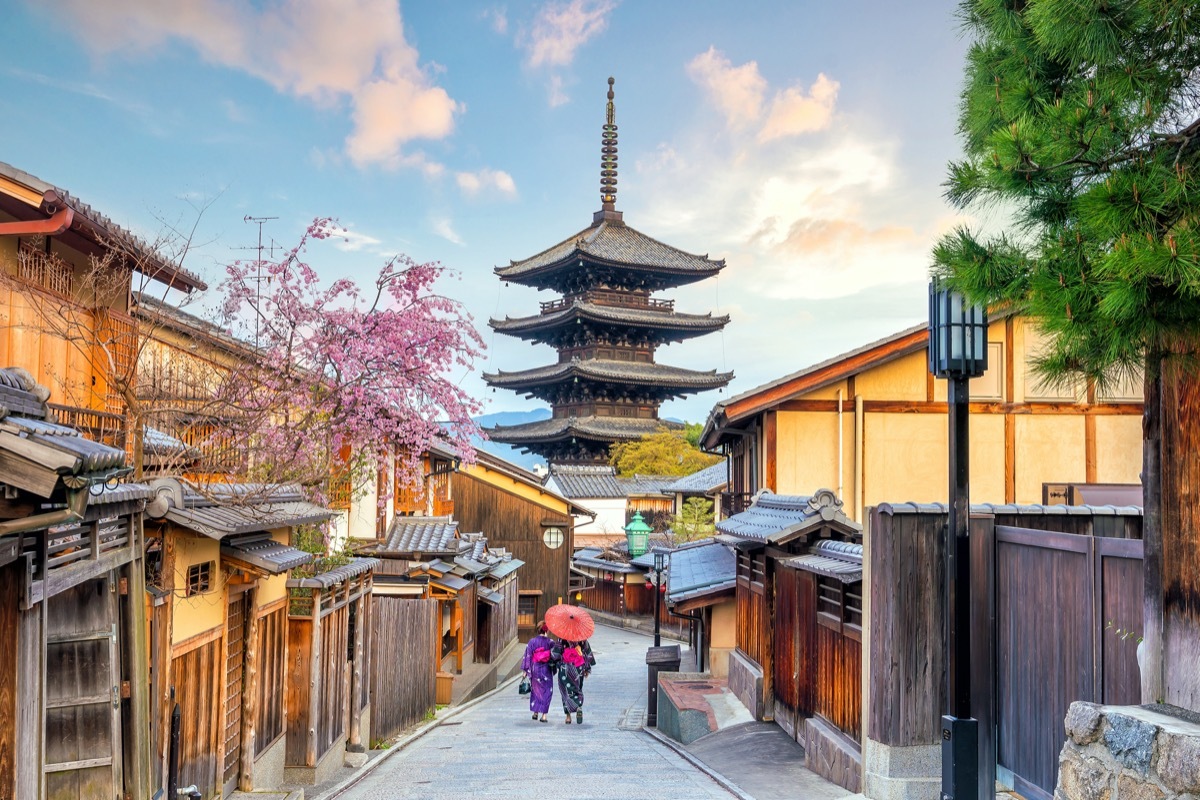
column 527, row 610
column 44, row 270
column 118, row 336
column 199, row 578
column 839, row 605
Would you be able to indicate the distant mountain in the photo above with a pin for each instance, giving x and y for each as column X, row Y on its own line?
column 507, row 452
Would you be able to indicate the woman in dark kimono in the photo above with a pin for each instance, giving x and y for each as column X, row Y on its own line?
column 537, row 667
column 574, row 661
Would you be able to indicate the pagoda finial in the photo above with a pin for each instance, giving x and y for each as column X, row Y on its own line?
column 608, row 157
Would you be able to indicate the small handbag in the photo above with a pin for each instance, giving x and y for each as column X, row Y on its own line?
column 525, row 687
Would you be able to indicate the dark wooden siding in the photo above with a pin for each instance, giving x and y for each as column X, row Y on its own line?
column 606, row 596
column 752, row 617
column 789, row 705
column 907, row 642
column 196, row 675
column 500, row 624
column 402, row 663
column 836, row 676
column 517, row 523
column 272, row 663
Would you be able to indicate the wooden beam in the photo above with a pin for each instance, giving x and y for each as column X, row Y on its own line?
column 1010, row 458
column 770, row 450
column 938, row 407
column 138, row 723
column 63, row 578
column 250, row 678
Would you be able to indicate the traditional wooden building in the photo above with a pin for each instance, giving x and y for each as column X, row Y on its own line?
column 708, row 484
column 219, row 557
column 74, row 707
column 595, row 486
column 798, row 658
column 606, row 385
column 701, row 586
column 845, row 422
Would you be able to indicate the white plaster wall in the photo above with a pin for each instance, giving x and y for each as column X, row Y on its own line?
column 610, row 517
column 361, row 517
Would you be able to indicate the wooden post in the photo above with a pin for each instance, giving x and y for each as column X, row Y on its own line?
column 162, row 622
column 138, row 778
column 314, row 683
column 250, row 691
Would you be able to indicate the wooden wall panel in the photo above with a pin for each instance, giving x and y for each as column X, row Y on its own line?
column 196, row 675
column 402, row 680
column 516, row 523
column 272, row 673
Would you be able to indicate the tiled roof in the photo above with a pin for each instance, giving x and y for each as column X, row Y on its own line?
column 620, row 315
column 261, row 551
column 333, row 577
column 590, row 481
column 614, row 243
column 146, row 305
column 700, row 570
column 647, row 484
column 602, row 428
column 420, row 535
column 603, row 370
column 227, row 509
column 599, row 558
column 839, row 560
column 706, row 480
column 774, row 517
column 105, row 229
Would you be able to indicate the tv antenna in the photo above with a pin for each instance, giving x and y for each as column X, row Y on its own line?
column 258, row 277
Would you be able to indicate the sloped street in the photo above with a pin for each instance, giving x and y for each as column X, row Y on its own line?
column 494, row 750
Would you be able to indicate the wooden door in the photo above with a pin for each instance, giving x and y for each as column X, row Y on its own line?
column 235, row 671
column 82, row 729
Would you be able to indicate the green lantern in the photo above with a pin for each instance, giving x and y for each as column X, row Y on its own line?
column 637, row 534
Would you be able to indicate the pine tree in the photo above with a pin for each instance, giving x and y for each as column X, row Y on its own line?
column 1081, row 119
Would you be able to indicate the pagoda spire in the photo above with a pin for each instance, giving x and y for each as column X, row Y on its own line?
column 608, row 163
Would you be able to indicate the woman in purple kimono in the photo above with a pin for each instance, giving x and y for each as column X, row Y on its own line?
column 536, row 665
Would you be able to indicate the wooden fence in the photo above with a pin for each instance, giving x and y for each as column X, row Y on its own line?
column 1068, row 614
column 1060, row 594
column 403, row 669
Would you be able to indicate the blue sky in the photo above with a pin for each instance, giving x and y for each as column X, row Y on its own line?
column 803, row 141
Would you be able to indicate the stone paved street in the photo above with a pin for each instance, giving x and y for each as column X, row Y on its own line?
column 494, row 750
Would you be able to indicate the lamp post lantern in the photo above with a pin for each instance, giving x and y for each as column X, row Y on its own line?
column 637, row 535
column 958, row 352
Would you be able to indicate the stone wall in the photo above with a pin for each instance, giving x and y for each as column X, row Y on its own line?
column 1129, row 753
column 746, row 683
column 831, row 754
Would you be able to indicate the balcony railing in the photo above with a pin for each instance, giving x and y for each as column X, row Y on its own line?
column 99, row 426
column 603, row 298
column 735, row 503
column 44, row 270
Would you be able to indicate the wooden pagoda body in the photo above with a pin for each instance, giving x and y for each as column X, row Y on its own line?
column 606, row 385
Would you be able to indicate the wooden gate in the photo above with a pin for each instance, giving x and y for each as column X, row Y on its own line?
column 235, row 672
column 1068, row 619
column 403, row 665
column 83, row 697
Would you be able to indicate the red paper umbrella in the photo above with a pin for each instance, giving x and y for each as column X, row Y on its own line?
column 570, row 622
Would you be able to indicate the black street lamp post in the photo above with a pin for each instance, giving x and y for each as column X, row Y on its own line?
column 660, row 560
column 958, row 352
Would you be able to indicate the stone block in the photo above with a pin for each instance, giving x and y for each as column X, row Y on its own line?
column 1081, row 777
column 1178, row 763
column 1131, row 741
column 1131, row 787
column 1083, row 722
column 355, row 760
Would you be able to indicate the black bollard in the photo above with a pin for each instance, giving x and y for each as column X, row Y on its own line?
column 173, row 754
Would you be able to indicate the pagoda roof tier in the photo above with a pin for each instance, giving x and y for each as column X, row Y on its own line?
column 675, row 381
column 620, row 255
column 669, row 325
column 558, row 429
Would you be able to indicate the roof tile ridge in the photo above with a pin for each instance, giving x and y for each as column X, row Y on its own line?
column 704, row 257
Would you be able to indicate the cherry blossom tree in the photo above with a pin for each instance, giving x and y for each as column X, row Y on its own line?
column 346, row 373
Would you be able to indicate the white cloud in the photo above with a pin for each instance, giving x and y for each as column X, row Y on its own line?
column 486, row 181
column 559, row 29
column 497, row 17
column 445, row 229
column 351, row 241
column 558, row 95
column 354, row 50
column 740, row 93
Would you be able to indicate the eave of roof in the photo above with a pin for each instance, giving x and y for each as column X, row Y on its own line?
column 618, row 315
column 219, row 521
column 614, row 244
column 561, row 428
column 608, row 371
column 101, row 230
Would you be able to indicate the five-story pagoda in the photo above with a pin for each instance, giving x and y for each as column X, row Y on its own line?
column 606, row 386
